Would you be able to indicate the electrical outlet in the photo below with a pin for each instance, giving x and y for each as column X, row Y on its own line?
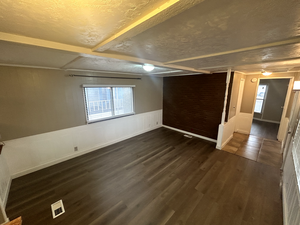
column 156, row 123
column 76, row 149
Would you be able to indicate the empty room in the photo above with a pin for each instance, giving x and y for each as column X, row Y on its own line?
column 149, row 112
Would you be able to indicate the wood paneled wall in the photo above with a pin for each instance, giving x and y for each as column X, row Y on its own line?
column 194, row 103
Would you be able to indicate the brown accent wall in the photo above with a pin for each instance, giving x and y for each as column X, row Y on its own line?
column 194, row 103
column 35, row 101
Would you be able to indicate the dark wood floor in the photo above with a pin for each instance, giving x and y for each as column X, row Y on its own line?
column 255, row 148
column 159, row 177
column 264, row 129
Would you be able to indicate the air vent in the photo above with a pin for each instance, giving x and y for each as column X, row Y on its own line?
column 57, row 209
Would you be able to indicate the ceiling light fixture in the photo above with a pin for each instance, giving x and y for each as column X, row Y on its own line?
column 148, row 67
column 265, row 73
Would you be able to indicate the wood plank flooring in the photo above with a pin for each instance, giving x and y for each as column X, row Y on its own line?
column 255, row 148
column 160, row 177
column 264, row 129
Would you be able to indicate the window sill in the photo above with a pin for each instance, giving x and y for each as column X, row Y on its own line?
column 110, row 118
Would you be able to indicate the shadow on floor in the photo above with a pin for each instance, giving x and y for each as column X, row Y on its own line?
column 255, row 148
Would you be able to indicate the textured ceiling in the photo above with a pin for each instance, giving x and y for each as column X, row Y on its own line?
column 74, row 22
column 112, row 65
column 249, row 57
column 216, row 26
column 119, row 35
column 18, row 54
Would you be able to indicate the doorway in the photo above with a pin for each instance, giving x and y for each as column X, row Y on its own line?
column 269, row 107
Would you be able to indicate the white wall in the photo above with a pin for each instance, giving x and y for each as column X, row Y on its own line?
column 244, row 123
column 28, row 154
column 228, row 130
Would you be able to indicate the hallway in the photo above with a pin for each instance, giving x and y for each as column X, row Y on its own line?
column 256, row 148
column 264, row 129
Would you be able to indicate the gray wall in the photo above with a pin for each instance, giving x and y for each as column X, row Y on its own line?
column 249, row 90
column 35, row 101
column 277, row 89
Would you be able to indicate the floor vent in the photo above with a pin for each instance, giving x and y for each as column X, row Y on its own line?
column 57, row 209
column 188, row 136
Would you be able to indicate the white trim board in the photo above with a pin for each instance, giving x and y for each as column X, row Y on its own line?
column 7, row 193
column 195, row 135
column 29, row 154
column 3, row 213
column 284, row 205
column 269, row 121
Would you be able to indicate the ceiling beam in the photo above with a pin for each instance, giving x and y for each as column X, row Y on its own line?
column 162, row 12
column 251, row 63
column 86, row 52
column 269, row 45
column 102, row 46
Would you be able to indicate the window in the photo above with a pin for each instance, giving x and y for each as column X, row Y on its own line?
column 260, row 98
column 104, row 102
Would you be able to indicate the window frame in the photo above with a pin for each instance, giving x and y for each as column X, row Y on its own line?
column 111, row 87
column 263, row 99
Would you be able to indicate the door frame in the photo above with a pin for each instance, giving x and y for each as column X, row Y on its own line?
column 281, row 130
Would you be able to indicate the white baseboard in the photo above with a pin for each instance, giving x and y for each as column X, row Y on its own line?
column 195, row 135
column 228, row 139
column 43, row 166
column 242, row 131
column 268, row 121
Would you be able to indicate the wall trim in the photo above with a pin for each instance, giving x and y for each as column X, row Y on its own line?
column 36, row 168
column 284, row 205
column 3, row 213
column 7, row 192
column 269, row 121
column 196, row 135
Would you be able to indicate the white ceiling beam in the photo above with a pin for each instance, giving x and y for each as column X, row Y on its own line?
column 166, row 10
column 102, row 46
column 269, row 45
column 251, row 63
column 85, row 51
